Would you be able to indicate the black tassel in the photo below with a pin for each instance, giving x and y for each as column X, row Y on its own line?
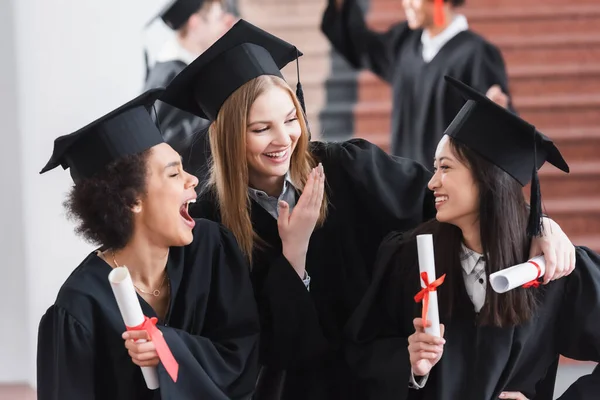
column 534, row 225
column 147, row 64
column 300, row 95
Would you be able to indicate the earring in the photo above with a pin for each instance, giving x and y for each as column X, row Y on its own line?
column 137, row 209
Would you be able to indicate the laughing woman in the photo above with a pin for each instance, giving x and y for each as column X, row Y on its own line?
column 131, row 197
column 495, row 345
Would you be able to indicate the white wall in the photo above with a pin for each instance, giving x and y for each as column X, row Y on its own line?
column 64, row 63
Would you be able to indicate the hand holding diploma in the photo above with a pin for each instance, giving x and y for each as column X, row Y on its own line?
column 141, row 349
column 425, row 350
column 146, row 339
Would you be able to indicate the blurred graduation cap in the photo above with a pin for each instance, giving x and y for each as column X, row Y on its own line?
column 507, row 141
column 242, row 54
column 176, row 12
column 124, row 131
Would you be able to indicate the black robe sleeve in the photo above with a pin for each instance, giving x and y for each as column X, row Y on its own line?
column 291, row 333
column 391, row 190
column 579, row 326
column 376, row 335
column 62, row 337
column 221, row 363
column 347, row 31
column 487, row 68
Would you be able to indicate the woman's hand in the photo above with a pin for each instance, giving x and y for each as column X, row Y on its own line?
column 141, row 353
column 513, row 395
column 558, row 251
column 425, row 350
column 296, row 228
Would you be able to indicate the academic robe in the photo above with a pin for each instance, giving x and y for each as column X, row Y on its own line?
column 422, row 104
column 370, row 194
column 211, row 328
column 479, row 362
column 182, row 130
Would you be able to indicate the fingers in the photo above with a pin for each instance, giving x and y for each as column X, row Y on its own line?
column 550, row 257
column 317, row 182
column 442, row 329
column 513, row 395
column 320, row 188
column 136, row 335
column 151, row 363
column 307, row 192
column 284, row 214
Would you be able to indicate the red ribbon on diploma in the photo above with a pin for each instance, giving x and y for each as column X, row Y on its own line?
column 534, row 283
column 162, row 348
column 423, row 295
column 438, row 13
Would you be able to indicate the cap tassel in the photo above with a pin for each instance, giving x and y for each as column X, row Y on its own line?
column 299, row 92
column 534, row 225
column 147, row 64
column 439, row 19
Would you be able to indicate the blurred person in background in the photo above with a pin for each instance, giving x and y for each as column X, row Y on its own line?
column 414, row 56
column 196, row 24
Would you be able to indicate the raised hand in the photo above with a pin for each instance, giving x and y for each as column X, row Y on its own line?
column 296, row 228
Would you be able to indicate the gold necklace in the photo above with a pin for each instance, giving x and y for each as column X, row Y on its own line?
column 155, row 292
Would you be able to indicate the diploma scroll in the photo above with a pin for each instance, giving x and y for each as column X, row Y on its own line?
column 427, row 266
column 131, row 311
column 518, row 275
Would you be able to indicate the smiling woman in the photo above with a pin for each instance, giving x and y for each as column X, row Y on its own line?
column 131, row 197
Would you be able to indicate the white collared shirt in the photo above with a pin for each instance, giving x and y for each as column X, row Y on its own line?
column 433, row 45
column 173, row 50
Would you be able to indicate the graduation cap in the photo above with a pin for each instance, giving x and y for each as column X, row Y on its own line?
column 176, row 12
column 124, row 131
column 245, row 52
column 507, row 141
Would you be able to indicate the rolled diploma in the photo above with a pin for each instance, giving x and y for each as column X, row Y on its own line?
column 131, row 311
column 427, row 264
column 517, row 275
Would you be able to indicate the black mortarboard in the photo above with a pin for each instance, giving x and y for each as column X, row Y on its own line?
column 242, row 54
column 124, row 131
column 176, row 13
column 506, row 140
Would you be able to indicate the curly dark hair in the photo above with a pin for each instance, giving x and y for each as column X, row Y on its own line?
column 102, row 205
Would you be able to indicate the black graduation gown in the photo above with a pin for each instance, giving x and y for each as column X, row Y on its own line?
column 370, row 194
column 479, row 362
column 180, row 129
column 422, row 105
column 211, row 328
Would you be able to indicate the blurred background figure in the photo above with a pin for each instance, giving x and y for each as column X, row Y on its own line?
column 66, row 62
column 196, row 25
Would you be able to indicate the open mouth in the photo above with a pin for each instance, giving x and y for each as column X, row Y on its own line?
column 439, row 200
column 278, row 156
column 184, row 212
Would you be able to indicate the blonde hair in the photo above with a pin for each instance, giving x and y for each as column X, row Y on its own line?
column 229, row 169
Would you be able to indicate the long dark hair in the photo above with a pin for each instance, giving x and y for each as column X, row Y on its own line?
column 503, row 214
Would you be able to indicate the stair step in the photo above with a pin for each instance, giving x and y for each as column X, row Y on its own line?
column 521, row 20
column 576, row 216
column 556, row 111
